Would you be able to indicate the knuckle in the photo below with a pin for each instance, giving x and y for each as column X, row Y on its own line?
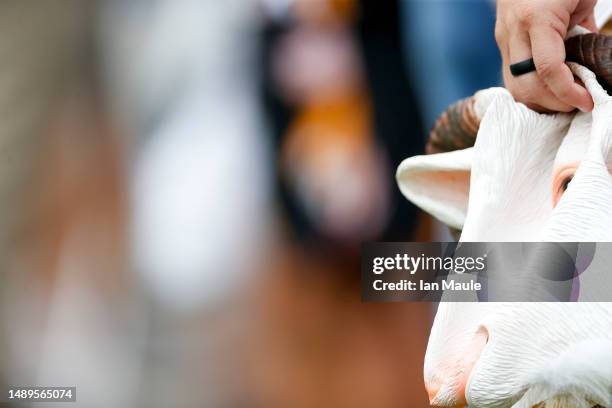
column 545, row 68
column 558, row 25
column 528, row 16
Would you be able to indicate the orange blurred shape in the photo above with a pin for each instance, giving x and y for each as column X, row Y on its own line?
column 345, row 122
column 326, row 12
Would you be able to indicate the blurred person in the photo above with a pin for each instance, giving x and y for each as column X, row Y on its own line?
column 182, row 81
column 345, row 116
column 342, row 109
column 181, row 78
column 329, row 162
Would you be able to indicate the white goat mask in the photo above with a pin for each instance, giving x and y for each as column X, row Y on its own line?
column 509, row 187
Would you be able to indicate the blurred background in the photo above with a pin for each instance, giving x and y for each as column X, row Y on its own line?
column 185, row 186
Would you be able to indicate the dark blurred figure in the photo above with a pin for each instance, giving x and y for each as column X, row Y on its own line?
column 344, row 116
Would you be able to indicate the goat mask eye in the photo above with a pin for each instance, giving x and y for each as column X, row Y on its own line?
column 561, row 181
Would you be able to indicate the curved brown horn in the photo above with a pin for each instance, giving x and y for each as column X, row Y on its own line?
column 457, row 127
column 593, row 51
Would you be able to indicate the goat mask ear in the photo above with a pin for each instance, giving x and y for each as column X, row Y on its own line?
column 439, row 184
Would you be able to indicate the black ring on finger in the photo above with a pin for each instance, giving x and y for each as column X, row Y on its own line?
column 522, row 67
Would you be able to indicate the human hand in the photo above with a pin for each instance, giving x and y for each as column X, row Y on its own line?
column 536, row 29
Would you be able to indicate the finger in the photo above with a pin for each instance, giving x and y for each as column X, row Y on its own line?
column 584, row 8
column 530, row 89
column 549, row 57
column 519, row 46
